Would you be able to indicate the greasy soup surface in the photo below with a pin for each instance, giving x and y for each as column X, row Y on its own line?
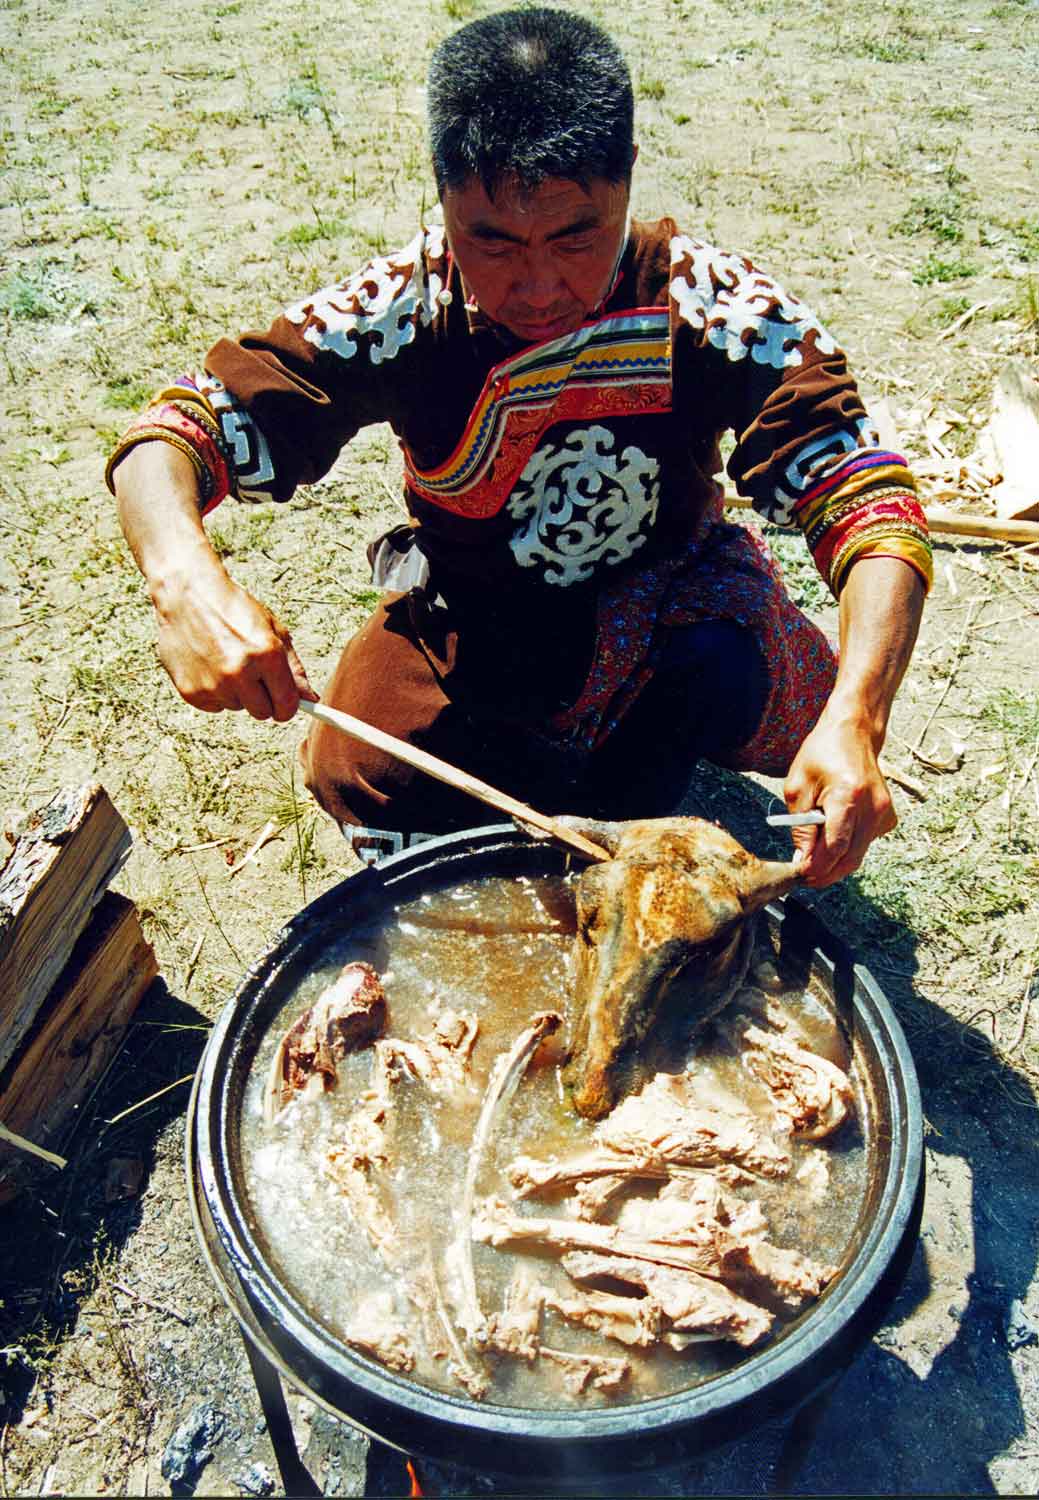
column 389, row 1239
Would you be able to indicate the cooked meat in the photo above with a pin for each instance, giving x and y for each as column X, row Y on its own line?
column 680, row 1118
column 714, row 1251
column 691, row 1304
column 592, row 1196
column 457, row 1031
column 506, row 1073
column 662, row 1132
column 671, row 904
column 770, row 1271
column 347, row 1016
column 605, row 1371
column 635, row 1321
column 356, row 1152
column 691, row 1211
column 376, row 1330
column 516, row 1330
column 810, row 1092
column 424, row 1290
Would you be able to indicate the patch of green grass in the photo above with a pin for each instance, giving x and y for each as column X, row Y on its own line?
column 950, row 309
column 301, row 97
column 936, row 270
column 889, row 49
column 941, row 216
column 952, row 114
column 651, row 88
column 803, row 581
column 108, row 435
column 1013, row 715
column 241, row 530
column 1025, row 233
column 307, row 234
column 25, row 294
column 127, row 392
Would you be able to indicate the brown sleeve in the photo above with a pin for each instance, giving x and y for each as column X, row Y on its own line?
column 288, row 400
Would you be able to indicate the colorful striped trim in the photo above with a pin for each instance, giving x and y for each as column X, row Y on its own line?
column 621, row 352
column 852, row 477
column 889, row 515
column 187, row 423
column 884, row 536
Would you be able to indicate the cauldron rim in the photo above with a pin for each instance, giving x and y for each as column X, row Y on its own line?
column 399, row 1410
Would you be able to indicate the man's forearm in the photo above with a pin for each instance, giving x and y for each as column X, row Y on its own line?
column 837, row 767
column 880, row 609
column 157, row 500
column 222, row 648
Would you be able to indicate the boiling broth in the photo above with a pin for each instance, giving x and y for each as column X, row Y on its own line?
column 499, row 949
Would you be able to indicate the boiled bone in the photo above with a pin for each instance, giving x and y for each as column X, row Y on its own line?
column 720, row 1254
column 693, row 1305
column 605, row 1371
column 506, row 1073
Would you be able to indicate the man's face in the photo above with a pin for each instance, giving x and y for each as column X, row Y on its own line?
column 537, row 262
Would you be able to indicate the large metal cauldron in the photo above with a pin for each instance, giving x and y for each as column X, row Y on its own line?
column 512, row 1441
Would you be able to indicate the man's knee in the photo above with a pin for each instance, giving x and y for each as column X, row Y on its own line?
column 715, row 676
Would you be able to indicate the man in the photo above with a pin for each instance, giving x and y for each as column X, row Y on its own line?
column 567, row 615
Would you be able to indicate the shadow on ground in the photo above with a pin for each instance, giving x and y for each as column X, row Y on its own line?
column 57, row 1237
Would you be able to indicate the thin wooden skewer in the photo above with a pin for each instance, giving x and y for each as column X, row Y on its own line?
column 955, row 522
column 441, row 770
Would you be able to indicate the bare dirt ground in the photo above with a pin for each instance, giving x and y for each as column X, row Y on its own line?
column 171, row 173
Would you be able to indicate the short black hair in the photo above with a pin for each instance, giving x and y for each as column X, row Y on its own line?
column 526, row 95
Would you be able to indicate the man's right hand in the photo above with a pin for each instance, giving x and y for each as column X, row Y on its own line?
column 224, row 649
column 221, row 647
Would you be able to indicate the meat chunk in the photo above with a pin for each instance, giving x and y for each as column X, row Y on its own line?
column 664, row 1131
column 352, row 1162
column 604, row 1371
column 347, row 1016
column 679, row 1118
column 712, row 1250
column 376, row 1330
column 635, row 1321
column 692, row 1305
column 516, row 1330
column 456, row 1031
column 812, row 1095
column 671, row 905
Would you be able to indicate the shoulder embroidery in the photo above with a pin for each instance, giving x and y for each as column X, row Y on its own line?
column 387, row 301
column 741, row 309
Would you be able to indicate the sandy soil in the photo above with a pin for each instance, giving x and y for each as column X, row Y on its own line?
column 170, row 174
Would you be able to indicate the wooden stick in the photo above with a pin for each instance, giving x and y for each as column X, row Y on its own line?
column 957, row 522
column 441, row 770
column 14, row 1139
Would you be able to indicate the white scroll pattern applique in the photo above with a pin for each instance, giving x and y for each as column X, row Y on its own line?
column 816, row 461
column 247, row 447
column 580, row 503
column 387, row 300
column 743, row 311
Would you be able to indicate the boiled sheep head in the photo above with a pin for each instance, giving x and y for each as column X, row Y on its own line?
column 672, row 904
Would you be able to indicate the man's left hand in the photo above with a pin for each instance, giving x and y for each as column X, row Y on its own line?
column 836, row 770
